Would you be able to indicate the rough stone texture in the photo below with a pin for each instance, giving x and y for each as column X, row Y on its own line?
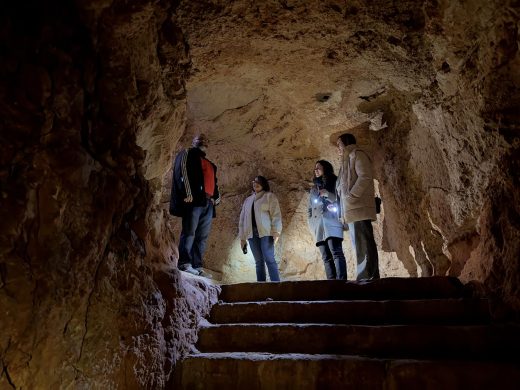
column 267, row 371
column 317, row 346
column 420, row 311
column 92, row 102
column 423, row 341
column 429, row 87
column 437, row 287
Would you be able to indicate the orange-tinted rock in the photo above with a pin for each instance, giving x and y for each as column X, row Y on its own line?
column 93, row 105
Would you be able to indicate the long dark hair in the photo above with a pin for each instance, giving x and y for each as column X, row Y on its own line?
column 329, row 178
column 263, row 182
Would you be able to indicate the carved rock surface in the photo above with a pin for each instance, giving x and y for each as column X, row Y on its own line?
column 429, row 89
column 93, row 105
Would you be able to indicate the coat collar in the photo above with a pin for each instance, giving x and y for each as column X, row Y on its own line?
column 199, row 152
column 259, row 195
column 350, row 149
column 348, row 152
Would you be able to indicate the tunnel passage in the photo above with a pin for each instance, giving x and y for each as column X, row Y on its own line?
column 94, row 103
column 273, row 86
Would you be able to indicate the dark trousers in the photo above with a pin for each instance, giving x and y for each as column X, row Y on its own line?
column 333, row 258
column 196, row 225
column 362, row 237
column 263, row 252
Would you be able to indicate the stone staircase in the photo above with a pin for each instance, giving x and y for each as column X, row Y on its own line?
column 393, row 333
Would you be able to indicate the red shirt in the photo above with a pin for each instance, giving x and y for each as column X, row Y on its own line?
column 209, row 177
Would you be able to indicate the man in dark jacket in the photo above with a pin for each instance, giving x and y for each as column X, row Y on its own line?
column 194, row 197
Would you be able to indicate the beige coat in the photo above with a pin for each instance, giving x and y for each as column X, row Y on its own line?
column 267, row 216
column 355, row 186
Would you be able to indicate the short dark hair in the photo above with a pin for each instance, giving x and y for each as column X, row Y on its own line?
column 347, row 139
column 263, row 182
column 199, row 140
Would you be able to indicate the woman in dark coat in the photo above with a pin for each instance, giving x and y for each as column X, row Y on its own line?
column 323, row 220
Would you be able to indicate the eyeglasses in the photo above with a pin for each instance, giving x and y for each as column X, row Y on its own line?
column 256, row 182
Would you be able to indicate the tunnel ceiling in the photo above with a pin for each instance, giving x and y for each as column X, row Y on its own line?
column 260, row 71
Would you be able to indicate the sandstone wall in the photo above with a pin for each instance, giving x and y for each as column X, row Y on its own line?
column 430, row 89
column 92, row 102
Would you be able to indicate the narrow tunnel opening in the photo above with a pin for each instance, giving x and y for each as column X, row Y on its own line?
column 261, row 103
column 252, row 97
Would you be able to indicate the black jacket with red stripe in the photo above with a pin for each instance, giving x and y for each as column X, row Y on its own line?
column 188, row 179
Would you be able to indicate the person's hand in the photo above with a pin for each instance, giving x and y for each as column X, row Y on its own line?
column 242, row 243
column 188, row 199
column 345, row 225
column 276, row 237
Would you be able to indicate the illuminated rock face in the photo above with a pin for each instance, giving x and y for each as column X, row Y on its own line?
column 93, row 104
column 417, row 83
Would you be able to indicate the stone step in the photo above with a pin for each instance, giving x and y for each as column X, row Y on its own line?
column 436, row 287
column 261, row 371
column 388, row 341
column 434, row 311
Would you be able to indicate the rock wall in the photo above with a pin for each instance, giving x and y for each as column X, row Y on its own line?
column 428, row 87
column 92, row 102
column 93, row 105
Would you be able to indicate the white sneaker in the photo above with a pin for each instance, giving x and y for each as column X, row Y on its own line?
column 203, row 273
column 189, row 269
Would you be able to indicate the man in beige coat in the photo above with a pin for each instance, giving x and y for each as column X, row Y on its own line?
column 355, row 188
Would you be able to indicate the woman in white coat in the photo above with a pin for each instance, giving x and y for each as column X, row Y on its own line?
column 261, row 225
column 323, row 220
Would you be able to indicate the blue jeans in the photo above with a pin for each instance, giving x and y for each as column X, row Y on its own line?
column 263, row 252
column 362, row 237
column 333, row 258
column 196, row 225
